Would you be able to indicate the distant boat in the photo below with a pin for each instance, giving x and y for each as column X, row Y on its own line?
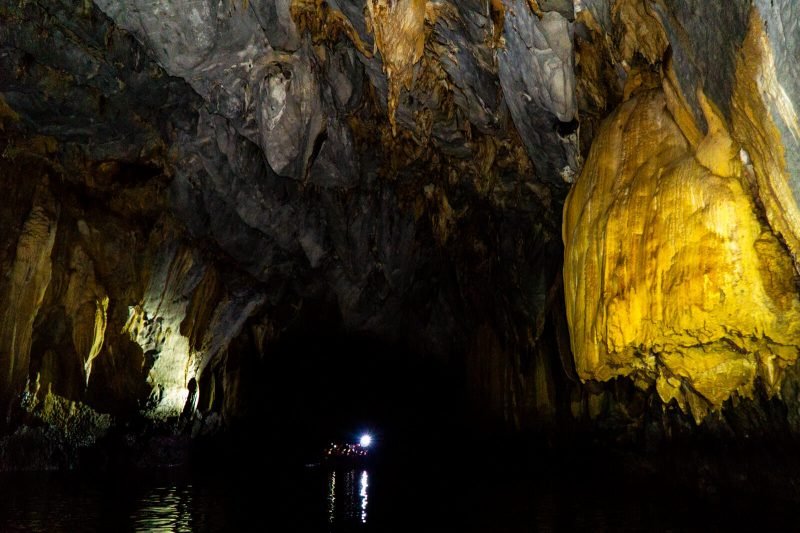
column 349, row 453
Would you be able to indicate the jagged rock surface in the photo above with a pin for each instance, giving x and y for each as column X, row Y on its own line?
column 206, row 170
column 181, row 176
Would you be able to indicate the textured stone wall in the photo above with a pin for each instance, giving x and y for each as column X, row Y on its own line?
column 670, row 276
column 216, row 169
column 679, row 263
column 187, row 177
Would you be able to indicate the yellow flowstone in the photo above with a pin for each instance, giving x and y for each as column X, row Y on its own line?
column 670, row 277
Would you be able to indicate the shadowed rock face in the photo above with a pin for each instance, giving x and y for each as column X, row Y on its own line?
column 211, row 172
column 186, row 181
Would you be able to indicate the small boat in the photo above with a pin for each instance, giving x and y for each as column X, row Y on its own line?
column 349, row 453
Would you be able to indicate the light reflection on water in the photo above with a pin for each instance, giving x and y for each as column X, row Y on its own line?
column 363, row 493
column 331, row 497
column 314, row 499
column 347, row 502
column 405, row 498
column 165, row 509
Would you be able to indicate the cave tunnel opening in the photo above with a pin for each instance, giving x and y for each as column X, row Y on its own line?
column 321, row 385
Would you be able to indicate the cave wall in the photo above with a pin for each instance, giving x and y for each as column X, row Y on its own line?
column 661, row 283
column 670, row 276
column 184, row 177
column 203, row 174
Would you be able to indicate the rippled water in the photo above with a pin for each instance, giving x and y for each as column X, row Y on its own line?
column 166, row 507
column 402, row 498
column 347, row 497
column 313, row 499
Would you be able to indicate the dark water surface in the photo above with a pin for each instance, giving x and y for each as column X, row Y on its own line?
column 426, row 496
column 427, row 473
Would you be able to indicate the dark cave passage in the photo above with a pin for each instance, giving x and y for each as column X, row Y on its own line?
column 321, row 385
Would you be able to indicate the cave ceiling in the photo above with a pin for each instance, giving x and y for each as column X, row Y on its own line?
column 179, row 174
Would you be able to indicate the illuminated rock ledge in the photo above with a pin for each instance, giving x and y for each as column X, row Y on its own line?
column 670, row 277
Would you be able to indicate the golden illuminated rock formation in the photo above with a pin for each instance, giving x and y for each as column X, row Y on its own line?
column 670, row 276
column 23, row 289
column 87, row 306
column 640, row 31
column 399, row 29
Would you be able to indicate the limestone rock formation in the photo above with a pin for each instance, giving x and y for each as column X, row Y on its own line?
column 24, row 289
column 670, row 276
column 216, row 172
column 186, row 183
column 679, row 265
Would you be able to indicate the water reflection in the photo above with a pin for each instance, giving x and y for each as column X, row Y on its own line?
column 165, row 508
column 363, row 493
column 331, row 497
column 347, row 500
column 403, row 499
